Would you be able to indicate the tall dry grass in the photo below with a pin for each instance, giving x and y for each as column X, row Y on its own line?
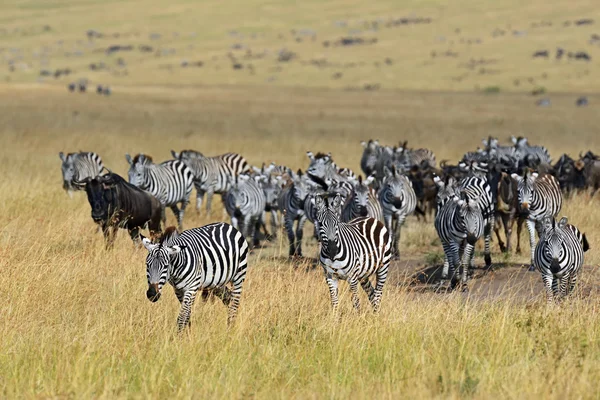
column 75, row 321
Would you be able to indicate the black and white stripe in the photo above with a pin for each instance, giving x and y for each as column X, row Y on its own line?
column 212, row 174
column 206, row 258
column 291, row 204
column 324, row 171
column 352, row 251
column 524, row 150
column 459, row 223
column 362, row 202
column 171, row 182
column 559, row 257
column 245, row 203
column 539, row 198
column 77, row 167
column 398, row 200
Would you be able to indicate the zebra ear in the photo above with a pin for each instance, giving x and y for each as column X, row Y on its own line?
column 364, row 144
column 337, row 201
column 563, row 222
column 535, row 175
column 175, row 249
column 513, row 139
column 175, row 154
column 128, row 158
column 516, row 177
column 319, row 202
column 485, row 142
column 310, row 155
column 369, row 180
column 62, row 156
column 148, row 243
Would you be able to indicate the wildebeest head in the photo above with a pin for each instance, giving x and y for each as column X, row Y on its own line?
column 101, row 196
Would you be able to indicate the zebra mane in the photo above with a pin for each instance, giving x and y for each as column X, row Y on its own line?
column 322, row 155
column 142, row 158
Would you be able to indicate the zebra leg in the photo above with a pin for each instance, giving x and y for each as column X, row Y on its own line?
column 209, row 196
column 487, row 232
column 556, row 288
column 466, row 261
column 367, row 287
column 289, row 227
column 184, row 205
column 177, row 213
column 233, row 296
column 564, row 286
column 187, row 302
column 446, row 269
column 531, row 229
column 396, row 229
column 332, row 282
column 548, row 283
column 519, row 228
column 299, row 234
column 199, row 197
column 255, row 226
column 354, row 291
column 454, row 262
column 274, row 224
column 572, row 282
column 380, row 278
column 163, row 216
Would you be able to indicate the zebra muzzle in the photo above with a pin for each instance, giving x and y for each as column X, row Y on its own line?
column 555, row 266
column 153, row 294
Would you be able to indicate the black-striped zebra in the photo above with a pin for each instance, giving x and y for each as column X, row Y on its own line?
column 352, row 251
column 539, row 198
column 212, row 174
column 206, row 258
column 291, row 204
column 414, row 157
column 245, row 204
column 371, row 157
column 559, row 257
column 524, row 150
column 459, row 223
column 76, row 167
column 171, row 182
column 398, row 200
column 362, row 202
column 271, row 187
column 324, row 171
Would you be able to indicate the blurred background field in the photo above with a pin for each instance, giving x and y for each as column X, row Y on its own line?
column 75, row 322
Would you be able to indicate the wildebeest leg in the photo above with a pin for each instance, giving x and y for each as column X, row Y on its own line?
column 519, row 227
column 163, row 215
column 497, row 231
column 135, row 235
column 178, row 215
column 487, row 232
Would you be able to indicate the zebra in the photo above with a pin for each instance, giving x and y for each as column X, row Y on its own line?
column 206, row 258
column 171, row 182
column 459, row 224
column 539, row 198
column 76, row 167
column 418, row 157
column 559, row 257
column 324, row 171
column 271, row 187
column 362, row 202
column 352, row 251
column 370, row 157
column 212, row 174
column 524, row 150
column 245, row 203
column 398, row 199
column 291, row 203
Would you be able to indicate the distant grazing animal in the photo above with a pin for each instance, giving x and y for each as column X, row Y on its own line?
column 99, row 89
column 559, row 257
column 171, row 182
column 76, row 167
column 206, row 258
column 539, row 198
column 212, row 174
column 353, row 252
column 541, row 53
column 245, row 203
column 118, row 204
column 71, row 87
column 582, row 102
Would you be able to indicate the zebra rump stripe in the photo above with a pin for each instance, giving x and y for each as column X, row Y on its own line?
column 559, row 257
column 206, row 258
column 171, row 182
column 352, row 251
column 77, row 167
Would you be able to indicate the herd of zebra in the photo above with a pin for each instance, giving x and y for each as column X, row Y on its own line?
column 357, row 221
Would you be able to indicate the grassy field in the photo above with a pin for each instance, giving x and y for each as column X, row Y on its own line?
column 76, row 323
column 460, row 46
column 74, row 318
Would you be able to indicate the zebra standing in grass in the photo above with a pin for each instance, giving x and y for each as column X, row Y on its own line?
column 362, row 202
column 76, row 167
column 325, row 172
column 291, row 204
column 171, row 182
column 271, row 187
column 459, row 223
column 212, row 174
column 245, row 204
column 206, row 258
column 559, row 257
column 539, row 198
column 352, row 251
column 398, row 199
column 524, row 150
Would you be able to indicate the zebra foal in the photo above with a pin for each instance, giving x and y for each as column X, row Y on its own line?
column 559, row 257
column 206, row 258
column 352, row 251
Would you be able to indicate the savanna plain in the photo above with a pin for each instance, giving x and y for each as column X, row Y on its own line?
column 74, row 318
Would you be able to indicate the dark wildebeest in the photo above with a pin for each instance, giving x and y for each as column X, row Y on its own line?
column 118, row 204
column 506, row 209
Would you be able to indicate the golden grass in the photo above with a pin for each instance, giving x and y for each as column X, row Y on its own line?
column 75, row 321
column 467, row 54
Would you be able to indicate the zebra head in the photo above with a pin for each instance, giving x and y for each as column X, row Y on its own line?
column 393, row 187
column 158, row 262
column 138, row 168
column 553, row 242
column 472, row 217
column 271, row 186
column 328, row 218
column 301, row 186
column 320, row 167
column 69, row 172
column 360, row 195
column 525, row 187
column 447, row 189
